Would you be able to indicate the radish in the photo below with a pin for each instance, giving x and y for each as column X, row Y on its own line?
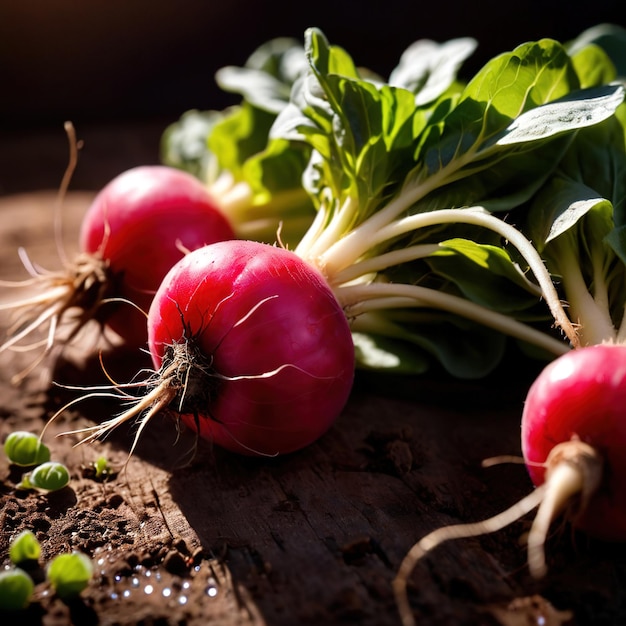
column 252, row 350
column 390, row 174
column 574, row 418
column 136, row 228
column 139, row 225
column 573, row 445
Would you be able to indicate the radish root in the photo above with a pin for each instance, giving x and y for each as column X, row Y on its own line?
column 71, row 296
column 79, row 288
column 573, row 468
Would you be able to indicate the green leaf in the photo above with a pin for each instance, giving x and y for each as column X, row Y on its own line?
column 559, row 207
column 507, row 86
column 487, row 275
column 617, row 240
column 575, row 111
column 239, row 135
column 513, row 107
column 593, row 66
column 592, row 173
column 380, row 353
column 266, row 78
column 465, row 349
column 325, row 58
column 611, row 38
column 428, row 69
column 184, row 143
column 530, row 75
column 412, row 342
column 363, row 130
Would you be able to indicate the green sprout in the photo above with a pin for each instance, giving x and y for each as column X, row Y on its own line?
column 24, row 547
column 69, row 574
column 49, row 476
column 25, row 449
column 16, row 589
column 102, row 468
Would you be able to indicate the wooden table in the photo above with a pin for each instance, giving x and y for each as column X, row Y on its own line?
column 311, row 538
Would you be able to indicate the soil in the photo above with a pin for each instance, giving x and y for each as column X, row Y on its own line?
column 185, row 535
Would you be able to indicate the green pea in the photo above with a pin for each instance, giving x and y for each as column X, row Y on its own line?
column 69, row 574
column 25, row 449
column 24, row 547
column 16, row 589
column 49, row 476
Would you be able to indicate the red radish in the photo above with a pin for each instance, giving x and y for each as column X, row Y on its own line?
column 137, row 227
column 575, row 412
column 574, row 447
column 253, row 350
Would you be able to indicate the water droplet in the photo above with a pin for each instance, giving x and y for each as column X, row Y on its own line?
column 117, row 578
column 148, row 589
column 126, row 593
column 100, row 561
column 196, row 568
column 186, row 584
column 167, row 592
column 114, row 596
column 211, row 591
column 541, row 621
column 147, row 573
column 134, row 581
column 182, row 600
column 157, row 576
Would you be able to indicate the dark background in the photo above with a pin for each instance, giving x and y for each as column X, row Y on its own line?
column 121, row 70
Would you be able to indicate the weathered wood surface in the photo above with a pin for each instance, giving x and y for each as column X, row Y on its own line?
column 311, row 538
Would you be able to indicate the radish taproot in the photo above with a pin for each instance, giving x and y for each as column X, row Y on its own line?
column 135, row 229
column 251, row 348
column 573, row 435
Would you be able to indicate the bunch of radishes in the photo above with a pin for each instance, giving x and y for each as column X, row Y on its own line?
column 253, row 345
column 249, row 344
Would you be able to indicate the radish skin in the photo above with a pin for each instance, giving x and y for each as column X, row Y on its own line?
column 136, row 228
column 582, row 395
column 140, row 224
column 573, row 434
column 252, row 350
